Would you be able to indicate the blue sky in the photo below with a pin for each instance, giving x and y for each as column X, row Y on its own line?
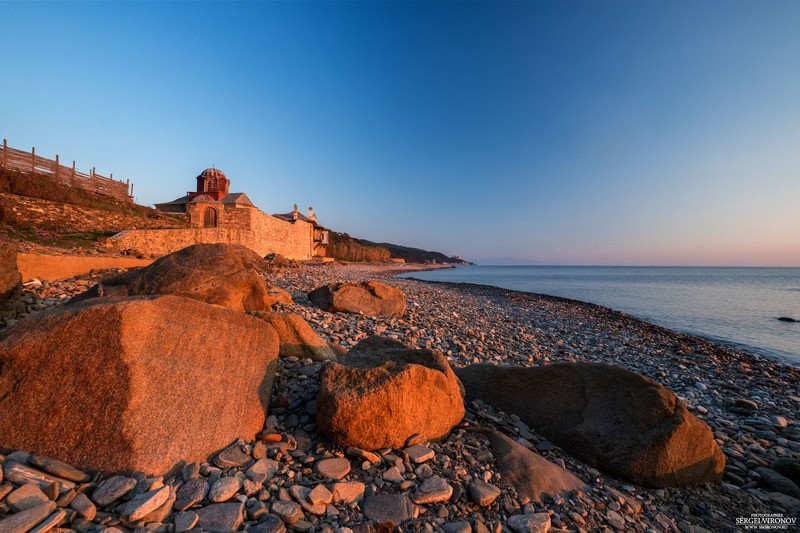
column 649, row 133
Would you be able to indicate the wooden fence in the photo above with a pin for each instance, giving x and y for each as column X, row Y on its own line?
column 30, row 162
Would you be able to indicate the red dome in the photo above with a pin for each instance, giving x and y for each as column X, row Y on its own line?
column 213, row 180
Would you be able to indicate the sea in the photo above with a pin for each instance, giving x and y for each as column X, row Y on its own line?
column 735, row 306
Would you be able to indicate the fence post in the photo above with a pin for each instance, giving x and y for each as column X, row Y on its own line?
column 56, row 166
column 33, row 159
column 72, row 178
column 5, row 152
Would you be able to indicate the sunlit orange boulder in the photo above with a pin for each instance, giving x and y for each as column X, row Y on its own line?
column 297, row 339
column 130, row 384
column 382, row 392
column 367, row 298
column 223, row 274
column 10, row 277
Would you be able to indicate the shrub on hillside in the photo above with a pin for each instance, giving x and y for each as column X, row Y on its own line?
column 48, row 188
column 345, row 248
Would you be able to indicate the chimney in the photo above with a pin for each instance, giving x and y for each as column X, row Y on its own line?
column 294, row 213
column 311, row 214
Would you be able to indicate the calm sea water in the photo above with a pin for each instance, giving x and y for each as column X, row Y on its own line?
column 733, row 306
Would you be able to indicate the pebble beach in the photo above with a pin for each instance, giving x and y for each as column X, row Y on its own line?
column 750, row 403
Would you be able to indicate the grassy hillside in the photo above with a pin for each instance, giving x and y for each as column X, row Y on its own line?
column 413, row 255
column 38, row 209
column 343, row 247
column 48, row 188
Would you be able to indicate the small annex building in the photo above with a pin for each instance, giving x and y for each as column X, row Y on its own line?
column 216, row 215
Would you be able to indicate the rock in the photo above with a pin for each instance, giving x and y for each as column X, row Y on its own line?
column 784, row 500
column 297, row 339
column 615, row 520
column 52, row 521
column 457, row 527
column 26, row 520
column 230, row 457
column 57, row 468
column 83, row 506
column 143, row 504
column 419, row 453
column 26, row 497
column 320, row 495
column 220, row 517
column 364, row 455
column 10, row 278
column 21, row 474
column 432, row 490
column 262, row 470
column 221, row 274
column 483, row 494
column 394, row 508
column 744, row 403
column 185, row 520
column 609, row 417
column 112, row 489
column 101, row 357
column 530, row 474
column 268, row 524
column 347, row 493
column 530, row 523
column 368, row 298
column 335, row 468
column 277, row 295
column 393, row 475
column 289, row 512
column 224, row 489
column 301, row 496
column 789, row 468
column 382, row 392
column 774, row 481
column 160, row 513
column 786, row 319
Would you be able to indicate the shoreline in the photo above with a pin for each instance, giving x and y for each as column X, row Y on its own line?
column 780, row 357
column 750, row 403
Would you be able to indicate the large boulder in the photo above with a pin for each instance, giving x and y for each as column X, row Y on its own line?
column 296, row 337
column 131, row 384
column 367, row 297
column 607, row 416
column 223, row 274
column 382, row 392
column 529, row 473
column 277, row 295
column 10, row 278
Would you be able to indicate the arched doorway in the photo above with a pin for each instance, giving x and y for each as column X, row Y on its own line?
column 210, row 218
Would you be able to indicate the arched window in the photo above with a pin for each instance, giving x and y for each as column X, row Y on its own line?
column 210, row 218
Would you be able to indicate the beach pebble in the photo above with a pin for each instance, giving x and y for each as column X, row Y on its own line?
column 185, row 520
column 83, row 506
column 224, row 489
column 483, row 493
column 432, row 490
column 335, row 468
column 112, row 489
column 289, row 512
column 530, row 523
column 26, row 497
column 419, row 453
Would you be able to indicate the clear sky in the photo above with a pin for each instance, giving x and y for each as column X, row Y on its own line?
column 615, row 133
